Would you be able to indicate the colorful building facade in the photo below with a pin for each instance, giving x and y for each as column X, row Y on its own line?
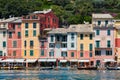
column 104, row 39
column 14, row 39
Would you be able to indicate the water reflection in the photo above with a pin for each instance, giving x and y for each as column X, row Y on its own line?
column 59, row 75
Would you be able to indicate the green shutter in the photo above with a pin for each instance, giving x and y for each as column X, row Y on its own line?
column 4, row 44
column 90, row 47
column 34, row 32
column 81, row 54
column 81, row 36
column 42, row 52
column 34, row 25
column 99, row 22
column 26, row 33
column 81, row 47
column 97, row 32
column 108, row 43
column 108, row 32
column 24, row 52
column 91, row 36
column 26, row 25
column 19, row 34
column 72, row 54
column 31, row 53
column 90, row 54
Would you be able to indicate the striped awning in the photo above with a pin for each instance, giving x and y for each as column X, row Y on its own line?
column 109, row 60
column 51, row 60
column 63, row 61
column 73, row 60
column 83, row 60
column 31, row 60
column 42, row 60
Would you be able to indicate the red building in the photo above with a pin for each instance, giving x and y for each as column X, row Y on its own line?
column 14, row 39
column 46, row 17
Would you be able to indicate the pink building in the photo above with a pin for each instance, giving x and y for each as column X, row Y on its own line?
column 104, row 39
column 14, row 39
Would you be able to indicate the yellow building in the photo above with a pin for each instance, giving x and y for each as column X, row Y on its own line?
column 30, row 42
column 85, row 44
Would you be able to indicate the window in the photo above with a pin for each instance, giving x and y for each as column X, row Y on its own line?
column 25, row 52
column 91, row 37
column 64, row 45
column 19, row 25
column 14, row 53
column 106, row 22
column 34, row 25
column 1, row 53
column 72, row 36
column 97, row 44
column 4, row 33
column 81, row 47
column 97, row 53
column 31, row 43
column 51, row 53
column 108, row 52
column 14, row 44
column 81, row 36
column 19, row 34
column 42, row 52
column 42, row 44
column 26, row 25
column 25, row 43
column 4, row 44
column 10, row 34
column 72, row 45
column 64, row 38
column 52, row 38
column 108, row 32
column 26, row 33
column 64, row 54
column 108, row 44
column 97, row 32
column 34, row 32
column 58, row 37
column 31, row 52
column 90, row 47
column 99, row 22
column 51, row 45
column 72, row 54
column 90, row 54
column 81, row 54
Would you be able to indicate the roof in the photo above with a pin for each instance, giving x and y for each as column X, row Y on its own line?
column 12, row 19
column 80, row 28
column 43, row 12
column 17, row 20
column 58, row 31
column 101, row 16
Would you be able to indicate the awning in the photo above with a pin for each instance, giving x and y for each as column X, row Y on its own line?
column 63, row 61
column 8, row 60
column 109, row 60
column 73, row 60
column 42, row 60
column 83, row 60
column 19, row 60
column 51, row 60
column 31, row 60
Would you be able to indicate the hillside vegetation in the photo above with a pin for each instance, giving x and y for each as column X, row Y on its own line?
column 68, row 11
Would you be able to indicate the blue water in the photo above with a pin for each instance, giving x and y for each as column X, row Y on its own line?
column 59, row 75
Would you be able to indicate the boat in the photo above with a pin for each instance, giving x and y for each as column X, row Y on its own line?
column 87, row 68
column 113, row 68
